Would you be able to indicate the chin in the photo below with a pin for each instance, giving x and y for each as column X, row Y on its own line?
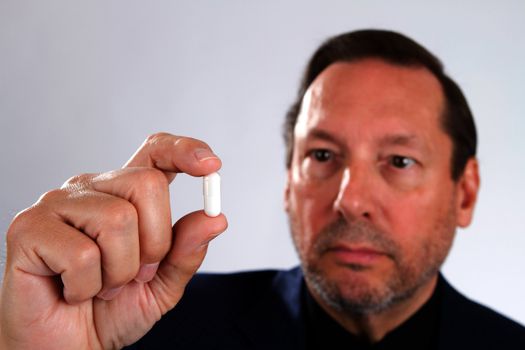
column 354, row 289
column 351, row 274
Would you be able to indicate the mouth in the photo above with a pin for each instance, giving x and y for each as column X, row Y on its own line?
column 356, row 255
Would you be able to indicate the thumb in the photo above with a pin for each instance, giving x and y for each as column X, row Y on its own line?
column 191, row 235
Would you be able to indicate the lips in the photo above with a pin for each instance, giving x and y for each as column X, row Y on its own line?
column 356, row 255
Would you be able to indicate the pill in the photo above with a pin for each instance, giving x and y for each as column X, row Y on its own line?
column 211, row 188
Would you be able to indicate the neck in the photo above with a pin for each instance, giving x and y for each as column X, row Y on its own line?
column 375, row 326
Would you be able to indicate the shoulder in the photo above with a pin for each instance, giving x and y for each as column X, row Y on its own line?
column 468, row 323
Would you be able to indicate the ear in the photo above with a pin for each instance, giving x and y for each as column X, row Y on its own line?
column 467, row 190
column 287, row 190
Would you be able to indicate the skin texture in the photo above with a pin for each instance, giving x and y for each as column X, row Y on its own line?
column 94, row 264
column 373, row 208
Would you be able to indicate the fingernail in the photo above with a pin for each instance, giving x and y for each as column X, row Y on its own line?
column 110, row 293
column 203, row 154
column 147, row 272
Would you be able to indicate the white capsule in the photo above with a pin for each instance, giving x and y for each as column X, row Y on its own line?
column 211, row 188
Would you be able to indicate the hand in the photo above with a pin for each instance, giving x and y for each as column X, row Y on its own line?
column 94, row 264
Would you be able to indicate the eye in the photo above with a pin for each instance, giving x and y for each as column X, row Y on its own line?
column 322, row 155
column 320, row 163
column 402, row 162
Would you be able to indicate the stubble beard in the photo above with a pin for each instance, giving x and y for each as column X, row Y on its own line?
column 352, row 296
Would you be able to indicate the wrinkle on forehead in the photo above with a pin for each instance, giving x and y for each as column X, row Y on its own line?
column 372, row 87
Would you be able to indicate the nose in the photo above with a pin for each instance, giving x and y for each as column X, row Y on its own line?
column 355, row 197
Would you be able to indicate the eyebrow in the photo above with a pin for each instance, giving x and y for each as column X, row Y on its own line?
column 326, row 136
column 402, row 140
column 409, row 140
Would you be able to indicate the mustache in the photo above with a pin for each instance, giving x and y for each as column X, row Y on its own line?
column 355, row 233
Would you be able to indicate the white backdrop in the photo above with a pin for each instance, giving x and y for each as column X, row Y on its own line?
column 83, row 83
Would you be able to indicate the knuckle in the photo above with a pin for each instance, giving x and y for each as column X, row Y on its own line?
column 52, row 196
column 190, row 143
column 87, row 256
column 156, row 137
column 80, row 180
column 26, row 223
column 120, row 216
column 151, row 181
column 21, row 223
column 22, row 217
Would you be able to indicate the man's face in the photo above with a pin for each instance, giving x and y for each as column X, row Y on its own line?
column 372, row 205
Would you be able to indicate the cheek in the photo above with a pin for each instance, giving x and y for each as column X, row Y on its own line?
column 312, row 202
column 422, row 222
column 310, row 210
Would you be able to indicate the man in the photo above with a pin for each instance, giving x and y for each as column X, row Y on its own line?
column 381, row 164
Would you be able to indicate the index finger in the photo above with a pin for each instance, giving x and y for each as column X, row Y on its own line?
column 175, row 154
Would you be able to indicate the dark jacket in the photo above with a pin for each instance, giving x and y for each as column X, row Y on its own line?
column 263, row 310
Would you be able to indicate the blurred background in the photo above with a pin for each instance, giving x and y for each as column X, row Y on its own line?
column 83, row 83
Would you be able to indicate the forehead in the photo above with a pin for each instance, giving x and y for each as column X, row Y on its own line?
column 363, row 97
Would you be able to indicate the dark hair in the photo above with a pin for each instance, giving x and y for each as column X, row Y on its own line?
column 395, row 48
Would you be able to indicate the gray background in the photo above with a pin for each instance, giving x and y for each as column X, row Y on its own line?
column 83, row 83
